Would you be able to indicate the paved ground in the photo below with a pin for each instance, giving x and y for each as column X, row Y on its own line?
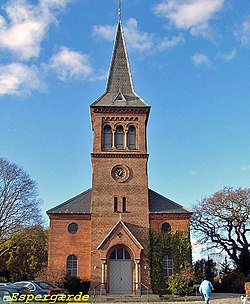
column 215, row 299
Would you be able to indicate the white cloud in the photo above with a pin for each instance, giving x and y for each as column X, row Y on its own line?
column 200, row 59
column 227, row 56
column 193, row 15
column 19, row 79
column 105, row 32
column 171, row 42
column 243, row 33
column 26, row 25
column 136, row 39
column 68, row 65
column 245, row 167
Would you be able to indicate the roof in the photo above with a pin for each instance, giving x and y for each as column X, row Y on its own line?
column 161, row 204
column 82, row 204
column 119, row 90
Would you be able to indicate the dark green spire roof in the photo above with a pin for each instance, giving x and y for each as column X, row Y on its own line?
column 119, row 91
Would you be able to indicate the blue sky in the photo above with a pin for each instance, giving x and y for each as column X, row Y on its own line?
column 189, row 60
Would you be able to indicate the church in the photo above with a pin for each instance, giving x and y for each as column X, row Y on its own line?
column 101, row 235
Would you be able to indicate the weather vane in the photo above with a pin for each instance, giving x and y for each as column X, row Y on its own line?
column 119, row 9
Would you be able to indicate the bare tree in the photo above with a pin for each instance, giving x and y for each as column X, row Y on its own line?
column 222, row 221
column 19, row 204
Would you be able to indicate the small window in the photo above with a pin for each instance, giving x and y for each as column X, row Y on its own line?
column 71, row 266
column 115, row 204
column 107, row 138
column 72, row 228
column 124, row 204
column 131, row 138
column 119, row 134
column 168, row 267
column 166, row 227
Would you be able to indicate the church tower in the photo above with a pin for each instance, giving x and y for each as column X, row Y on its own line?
column 120, row 219
column 101, row 235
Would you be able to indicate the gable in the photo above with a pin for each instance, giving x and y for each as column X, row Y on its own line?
column 120, row 235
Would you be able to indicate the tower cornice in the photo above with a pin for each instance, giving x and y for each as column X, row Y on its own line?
column 121, row 110
column 119, row 155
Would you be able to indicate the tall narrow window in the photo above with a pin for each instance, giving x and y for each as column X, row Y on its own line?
column 71, row 266
column 124, row 204
column 131, row 138
column 107, row 137
column 119, row 134
column 168, row 267
column 115, row 204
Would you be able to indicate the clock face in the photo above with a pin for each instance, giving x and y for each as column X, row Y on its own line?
column 120, row 173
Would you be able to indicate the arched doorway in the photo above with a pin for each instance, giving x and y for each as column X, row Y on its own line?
column 120, row 271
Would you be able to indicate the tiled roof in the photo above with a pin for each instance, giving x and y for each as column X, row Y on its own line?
column 119, row 91
column 82, row 204
column 161, row 204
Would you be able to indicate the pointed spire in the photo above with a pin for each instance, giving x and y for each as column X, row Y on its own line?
column 119, row 90
column 119, row 79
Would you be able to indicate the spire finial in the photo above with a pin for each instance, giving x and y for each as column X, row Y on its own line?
column 119, row 10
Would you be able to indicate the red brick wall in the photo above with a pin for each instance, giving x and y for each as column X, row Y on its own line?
column 176, row 221
column 62, row 243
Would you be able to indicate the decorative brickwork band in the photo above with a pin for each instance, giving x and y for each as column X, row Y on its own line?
column 117, row 118
column 168, row 216
column 121, row 110
column 70, row 216
column 122, row 155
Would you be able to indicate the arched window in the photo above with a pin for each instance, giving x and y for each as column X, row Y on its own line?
column 131, row 137
column 166, row 227
column 120, row 254
column 168, row 266
column 115, row 204
column 107, row 137
column 71, row 266
column 124, row 204
column 119, row 134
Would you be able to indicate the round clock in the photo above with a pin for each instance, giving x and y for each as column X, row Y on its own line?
column 120, row 173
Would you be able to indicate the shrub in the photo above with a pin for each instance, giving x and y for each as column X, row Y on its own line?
column 180, row 284
column 233, row 282
column 75, row 285
column 177, row 245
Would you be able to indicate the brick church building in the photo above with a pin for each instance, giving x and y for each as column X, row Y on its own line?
column 101, row 235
